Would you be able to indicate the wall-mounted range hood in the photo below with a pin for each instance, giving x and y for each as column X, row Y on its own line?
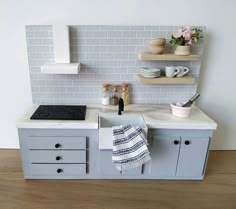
column 62, row 63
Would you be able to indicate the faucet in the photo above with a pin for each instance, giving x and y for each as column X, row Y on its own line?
column 120, row 106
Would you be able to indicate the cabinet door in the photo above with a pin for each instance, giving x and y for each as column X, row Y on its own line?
column 164, row 152
column 192, row 156
column 106, row 165
column 132, row 171
column 108, row 168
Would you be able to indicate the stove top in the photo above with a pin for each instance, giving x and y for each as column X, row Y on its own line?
column 59, row 112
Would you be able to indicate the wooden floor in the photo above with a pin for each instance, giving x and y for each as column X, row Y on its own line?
column 216, row 191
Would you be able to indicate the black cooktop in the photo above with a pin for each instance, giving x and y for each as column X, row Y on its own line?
column 60, row 112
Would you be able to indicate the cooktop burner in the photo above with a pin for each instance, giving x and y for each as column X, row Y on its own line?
column 60, row 112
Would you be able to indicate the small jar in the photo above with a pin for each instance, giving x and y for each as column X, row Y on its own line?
column 105, row 94
column 114, row 98
column 125, row 93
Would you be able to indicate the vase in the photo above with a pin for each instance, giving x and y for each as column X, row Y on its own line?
column 182, row 50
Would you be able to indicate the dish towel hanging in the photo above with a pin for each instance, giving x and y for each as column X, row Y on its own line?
column 129, row 147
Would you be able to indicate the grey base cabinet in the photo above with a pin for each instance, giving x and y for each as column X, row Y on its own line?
column 75, row 154
column 178, row 154
column 59, row 153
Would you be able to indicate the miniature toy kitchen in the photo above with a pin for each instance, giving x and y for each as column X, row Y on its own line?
column 113, row 102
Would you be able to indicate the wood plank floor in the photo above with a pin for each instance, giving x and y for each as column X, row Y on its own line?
column 216, row 191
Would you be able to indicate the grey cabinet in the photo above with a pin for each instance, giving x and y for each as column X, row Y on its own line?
column 106, row 165
column 192, row 156
column 59, row 154
column 178, row 154
column 75, row 154
column 164, row 151
column 107, row 168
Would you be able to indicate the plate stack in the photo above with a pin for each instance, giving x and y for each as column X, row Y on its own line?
column 150, row 72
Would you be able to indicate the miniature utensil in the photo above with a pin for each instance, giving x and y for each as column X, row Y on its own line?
column 190, row 102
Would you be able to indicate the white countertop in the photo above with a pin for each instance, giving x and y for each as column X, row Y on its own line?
column 155, row 116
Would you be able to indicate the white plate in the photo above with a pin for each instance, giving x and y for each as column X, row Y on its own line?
column 150, row 76
column 151, row 70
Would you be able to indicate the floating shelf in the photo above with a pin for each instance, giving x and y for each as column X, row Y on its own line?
column 187, row 80
column 169, row 57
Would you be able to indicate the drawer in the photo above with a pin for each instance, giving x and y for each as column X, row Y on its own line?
column 57, row 156
column 57, row 169
column 56, row 142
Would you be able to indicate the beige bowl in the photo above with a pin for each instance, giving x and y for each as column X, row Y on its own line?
column 158, row 41
column 156, row 49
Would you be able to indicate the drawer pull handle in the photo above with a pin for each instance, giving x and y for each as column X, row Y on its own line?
column 57, row 145
column 59, row 170
column 187, row 142
column 58, row 157
column 176, row 142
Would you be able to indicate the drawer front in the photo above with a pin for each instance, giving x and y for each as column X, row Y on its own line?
column 57, row 156
column 57, row 169
column 57, row 142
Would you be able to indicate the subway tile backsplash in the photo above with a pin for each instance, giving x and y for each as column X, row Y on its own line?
column 108, row 54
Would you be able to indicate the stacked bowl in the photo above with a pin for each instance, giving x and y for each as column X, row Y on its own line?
column 157, row 45
column 150, row 72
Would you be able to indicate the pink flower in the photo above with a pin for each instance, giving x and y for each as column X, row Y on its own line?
column 187, row 35
column 177, row 34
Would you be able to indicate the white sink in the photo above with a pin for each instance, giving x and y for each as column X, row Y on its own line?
column 107, row 121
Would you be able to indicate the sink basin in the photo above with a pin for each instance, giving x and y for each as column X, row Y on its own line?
column 107, row 121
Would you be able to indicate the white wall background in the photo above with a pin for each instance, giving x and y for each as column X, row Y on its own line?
column 218, row 74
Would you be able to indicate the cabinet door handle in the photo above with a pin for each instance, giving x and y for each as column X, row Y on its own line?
column 187, row 142
column 176, row 142
column 58, row 157
column 57, row 145
column 59, row 170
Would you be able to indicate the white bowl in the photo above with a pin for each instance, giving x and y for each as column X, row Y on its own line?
column 180, row 111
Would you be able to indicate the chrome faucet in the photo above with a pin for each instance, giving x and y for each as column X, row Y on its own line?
column 120, row 106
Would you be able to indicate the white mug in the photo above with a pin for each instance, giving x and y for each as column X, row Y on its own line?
column 182, row 71
column 171, row 71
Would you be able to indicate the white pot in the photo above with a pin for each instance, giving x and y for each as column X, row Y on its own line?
column 182, row 50
column 180, row 111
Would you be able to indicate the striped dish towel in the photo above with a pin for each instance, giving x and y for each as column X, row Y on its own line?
column 129, row 147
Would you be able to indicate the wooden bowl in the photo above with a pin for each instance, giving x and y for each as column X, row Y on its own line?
column 156, row 49
column 157, row 42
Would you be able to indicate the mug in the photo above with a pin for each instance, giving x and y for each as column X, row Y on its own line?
column 182, row 71
column 171, row 71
